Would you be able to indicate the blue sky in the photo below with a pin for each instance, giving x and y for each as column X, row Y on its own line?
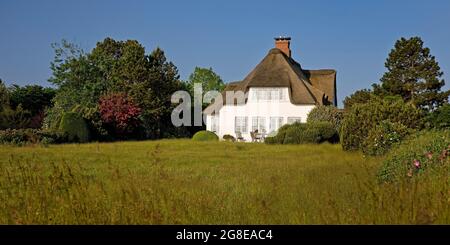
column 353, row 37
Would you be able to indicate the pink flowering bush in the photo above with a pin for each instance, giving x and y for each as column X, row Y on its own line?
column 383, row 137
column 426, row 152
column 120, row 113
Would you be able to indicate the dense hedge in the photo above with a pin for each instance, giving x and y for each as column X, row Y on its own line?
column 364, row 117
column 205, row 136
column 328, row 113
column 427, row 151
column 302, row 133
column 382, row 137
column 75, row 126
column 32, row 136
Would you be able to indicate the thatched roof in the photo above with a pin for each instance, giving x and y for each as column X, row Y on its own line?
column 315, row 87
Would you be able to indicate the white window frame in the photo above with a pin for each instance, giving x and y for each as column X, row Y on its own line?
column 240, row 124
column 269, row 94
column 275, row 123
column 291, row 120
column 259, row 123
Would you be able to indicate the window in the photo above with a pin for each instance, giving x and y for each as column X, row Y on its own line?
column 214, row 123
column 240, row 124
column 269, row 94
column 259, row 123
column 275, row 123
column 292, row 120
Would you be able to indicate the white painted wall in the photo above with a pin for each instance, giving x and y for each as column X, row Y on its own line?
column 255, row 108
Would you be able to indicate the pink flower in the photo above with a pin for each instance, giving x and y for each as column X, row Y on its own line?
column 416, row 163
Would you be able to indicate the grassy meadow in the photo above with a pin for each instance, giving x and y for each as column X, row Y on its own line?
column 186, row 182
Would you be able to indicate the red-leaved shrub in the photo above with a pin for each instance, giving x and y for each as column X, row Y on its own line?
column 120, row 112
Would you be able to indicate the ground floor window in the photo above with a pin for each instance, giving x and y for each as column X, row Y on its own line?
column 292, row 120
column 275, row 123
column 240, row 124
column 259, row 123
column 214, row 123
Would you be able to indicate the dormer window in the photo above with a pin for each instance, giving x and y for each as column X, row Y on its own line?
column 269, row 94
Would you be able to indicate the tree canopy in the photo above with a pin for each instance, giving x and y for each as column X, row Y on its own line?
column 112, row 67
column 414, row 74
column 207, row 78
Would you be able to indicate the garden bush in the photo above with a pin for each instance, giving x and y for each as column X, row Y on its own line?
column 326, row 114
column 302, row 133
column 228, row 137
column 75, row 126
column 32, row 136
column 205, row 136
column 427, row 151
column 383, row 136
column 364, row 117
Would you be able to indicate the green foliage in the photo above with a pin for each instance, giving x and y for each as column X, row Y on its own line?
column 228, row 137
column 440, row 118
column 304, row 133
column 75, row 126
column 363, row 117
column 382, row 137
column 205, row 136
column 33, row 98
column 31, row 136
column 4, row 96
column 428, row 151
column 114, row 66
column 358, row 97
column 207, row 78
column 414, row 74
column 326, row 114
column 14, row 119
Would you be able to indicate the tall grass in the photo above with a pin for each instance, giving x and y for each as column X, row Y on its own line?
column 185, row 182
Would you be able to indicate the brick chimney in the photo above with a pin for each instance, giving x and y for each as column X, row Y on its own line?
column 282, row 43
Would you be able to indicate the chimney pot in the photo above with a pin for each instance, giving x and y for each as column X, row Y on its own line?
column 282, row 43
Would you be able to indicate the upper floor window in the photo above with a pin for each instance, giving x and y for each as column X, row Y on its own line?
column 269, row 94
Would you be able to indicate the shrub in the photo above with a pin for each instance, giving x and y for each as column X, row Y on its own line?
column 383, row 136
column 14, row 118
column 326, row 114
column 75, row 126
column 228, row 137
column 363, row 117
column 121, row 113
column 302, row 133
column 205, row 136
column 32, row 136
column 440, row 118
column 427, row 151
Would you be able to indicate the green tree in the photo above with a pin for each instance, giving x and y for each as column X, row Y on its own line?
column 114, row 66
column 4, row 96
column 358, row 97
column 33, row 98
column 207, row 78
column 414, row 74
column 154, row 93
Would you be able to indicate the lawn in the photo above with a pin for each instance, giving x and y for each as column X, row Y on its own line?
column 186, row 182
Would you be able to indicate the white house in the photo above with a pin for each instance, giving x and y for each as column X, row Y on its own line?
column 277, row 91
